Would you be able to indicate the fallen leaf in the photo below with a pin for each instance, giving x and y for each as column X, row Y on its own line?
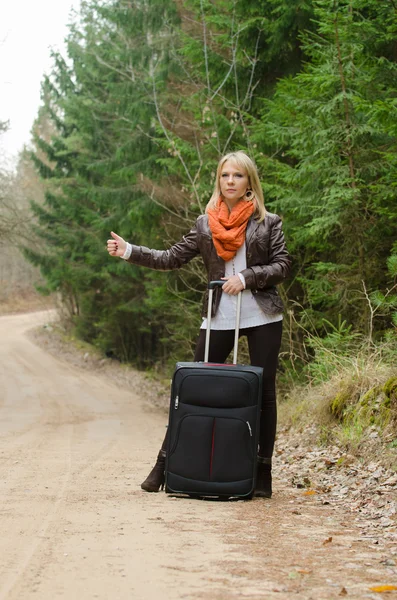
column 310, row 493
column 327, row 541
column 343, row 592
column 383, row 588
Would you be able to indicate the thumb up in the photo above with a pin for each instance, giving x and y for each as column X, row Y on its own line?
column 116, row 246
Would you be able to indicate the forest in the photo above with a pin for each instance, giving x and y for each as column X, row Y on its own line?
column 134, row 119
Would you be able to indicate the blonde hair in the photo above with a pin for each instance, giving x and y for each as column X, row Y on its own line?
column 244, row 162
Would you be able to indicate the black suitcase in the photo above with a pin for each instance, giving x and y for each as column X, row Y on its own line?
column 213, row 428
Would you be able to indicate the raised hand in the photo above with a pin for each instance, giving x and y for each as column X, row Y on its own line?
column 117, row 246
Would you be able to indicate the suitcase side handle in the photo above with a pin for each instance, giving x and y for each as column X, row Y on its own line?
column 211, row 286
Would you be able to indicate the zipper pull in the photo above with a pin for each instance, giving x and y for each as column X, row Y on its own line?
column 176, row 402
column 249, row 428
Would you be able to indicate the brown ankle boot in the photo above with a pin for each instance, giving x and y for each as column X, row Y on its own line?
column 156, row 477
column 264, row 478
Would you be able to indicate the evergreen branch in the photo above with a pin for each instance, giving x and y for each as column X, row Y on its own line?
column 349, row 150
column 345, row 102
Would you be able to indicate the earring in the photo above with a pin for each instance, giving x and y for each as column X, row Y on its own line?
column 248, row 194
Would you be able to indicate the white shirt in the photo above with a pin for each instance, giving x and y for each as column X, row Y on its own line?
column 251, row 314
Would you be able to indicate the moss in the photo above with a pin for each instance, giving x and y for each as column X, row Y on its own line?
column 339, row 404
column 370, row 397
column 356, row 414
column 390, row 388
column 373, row 408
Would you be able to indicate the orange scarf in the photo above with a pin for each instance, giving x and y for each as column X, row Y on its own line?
column 228, row 228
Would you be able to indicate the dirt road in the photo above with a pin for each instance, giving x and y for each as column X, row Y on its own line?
column 75, row 524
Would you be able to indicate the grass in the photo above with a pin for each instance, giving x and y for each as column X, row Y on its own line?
column 354, row 405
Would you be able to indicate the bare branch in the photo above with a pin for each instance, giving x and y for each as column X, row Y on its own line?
column 179, row 155
column 218, row 89
column 129, row 76
column 372, row 312
column 250, row 88
column 207, row 74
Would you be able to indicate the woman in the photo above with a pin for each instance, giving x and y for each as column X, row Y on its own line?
column 242, row 244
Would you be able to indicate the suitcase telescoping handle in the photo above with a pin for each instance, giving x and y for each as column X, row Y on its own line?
column 211, row 286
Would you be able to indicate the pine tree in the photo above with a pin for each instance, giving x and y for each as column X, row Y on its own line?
column 149, row 97
column 330, row 140
column 93, row 166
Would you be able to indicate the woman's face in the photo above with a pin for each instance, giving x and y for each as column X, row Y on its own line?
column 233, row 182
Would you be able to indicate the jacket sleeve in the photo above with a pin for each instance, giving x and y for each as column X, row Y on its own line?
column 278, row 268
column 167, row 260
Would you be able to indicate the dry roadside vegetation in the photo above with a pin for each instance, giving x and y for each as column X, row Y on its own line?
column 21, row 299
column 355, row 409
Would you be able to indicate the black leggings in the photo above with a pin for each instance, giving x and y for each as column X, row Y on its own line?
column 264, row 344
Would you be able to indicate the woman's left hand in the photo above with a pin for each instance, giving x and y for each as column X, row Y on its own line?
column 233, row 285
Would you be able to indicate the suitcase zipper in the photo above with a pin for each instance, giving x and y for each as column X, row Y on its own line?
column 176, row 402
column 249, row 427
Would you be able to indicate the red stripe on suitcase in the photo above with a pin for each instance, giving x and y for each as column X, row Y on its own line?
column 212, row 447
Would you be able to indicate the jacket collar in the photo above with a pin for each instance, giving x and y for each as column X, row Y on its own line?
column 252, row 226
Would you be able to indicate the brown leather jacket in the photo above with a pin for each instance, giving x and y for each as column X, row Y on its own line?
column 268, row 262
